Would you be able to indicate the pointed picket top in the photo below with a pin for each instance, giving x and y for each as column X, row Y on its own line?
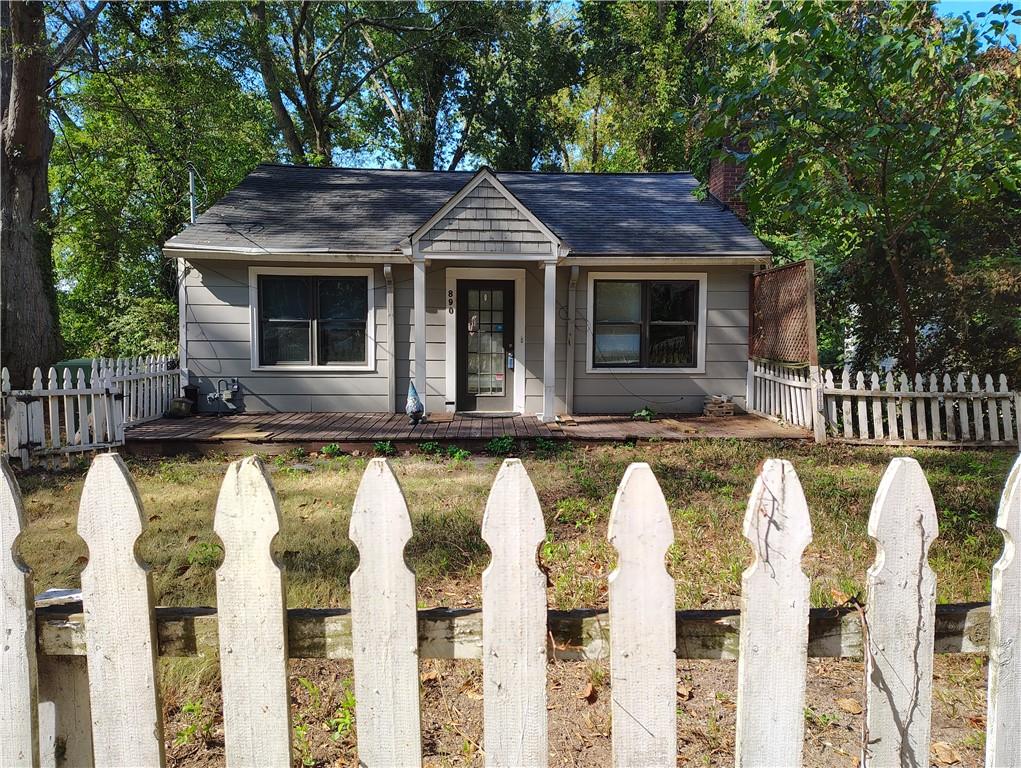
column 119, row 621
column 384, row 624
column 514, row 624
column 643, row 628
column 5, row 380
column 252, row 620
column 1003, row 737
column 901, row 609
column 773, row 657
column 19, row 726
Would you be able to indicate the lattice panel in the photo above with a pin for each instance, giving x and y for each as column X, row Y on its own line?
column 783, row 314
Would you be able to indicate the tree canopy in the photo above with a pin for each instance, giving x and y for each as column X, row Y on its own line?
column 881, row 139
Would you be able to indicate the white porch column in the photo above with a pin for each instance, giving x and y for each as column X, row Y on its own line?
column 419, row 318
column 549, row 342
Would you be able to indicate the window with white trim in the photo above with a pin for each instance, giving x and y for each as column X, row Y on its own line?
column 645, row 323
column 307, row 320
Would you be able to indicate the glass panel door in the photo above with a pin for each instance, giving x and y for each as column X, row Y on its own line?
column 487, row 354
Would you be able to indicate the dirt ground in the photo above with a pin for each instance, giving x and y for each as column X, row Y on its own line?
column 579, row 715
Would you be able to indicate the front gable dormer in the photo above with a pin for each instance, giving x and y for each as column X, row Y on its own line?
column 485, row 219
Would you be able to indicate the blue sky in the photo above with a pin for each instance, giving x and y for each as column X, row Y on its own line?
column 975, row 7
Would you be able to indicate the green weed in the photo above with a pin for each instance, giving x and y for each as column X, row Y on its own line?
column 500, row 446
column 384, row 448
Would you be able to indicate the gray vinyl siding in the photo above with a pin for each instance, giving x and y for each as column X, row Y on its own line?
column 485, row 221
column 219, row 347
column 726, row 354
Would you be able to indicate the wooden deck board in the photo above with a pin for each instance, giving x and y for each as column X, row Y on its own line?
column 371, row 427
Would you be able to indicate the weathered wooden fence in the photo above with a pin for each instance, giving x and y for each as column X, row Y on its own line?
column 781, row 392
column 107, row 711
column 65, row 414
column 931, row 410
column 888, row 410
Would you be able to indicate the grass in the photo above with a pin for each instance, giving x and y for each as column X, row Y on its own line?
column 706, row 484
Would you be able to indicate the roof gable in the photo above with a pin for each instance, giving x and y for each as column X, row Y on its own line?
column 484, row 218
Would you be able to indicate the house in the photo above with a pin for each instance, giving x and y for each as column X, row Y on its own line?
column 327, row 289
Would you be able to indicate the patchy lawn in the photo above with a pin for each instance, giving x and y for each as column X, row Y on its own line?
column 706, row 484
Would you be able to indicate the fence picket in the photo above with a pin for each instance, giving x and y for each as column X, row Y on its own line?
column 976, row 410
column 98, row 415
column 845, row 404
column 773, row 660
column 948, row 407
column 891, row 409
column 863, row 414
column 922, row 432
column 54, row 411
column 962, row 408
column 83, row 411
column 831, row 403
column 643, row 631
column 384, row 624
column 252, row 620
column 19, row 729
column 937, row 433
column 905, row 408
column 901, row 610
column 877, row 409
column 127, row 723
column 514, row 624
column 994, row 416
column 70, row 433
column 1003, row 737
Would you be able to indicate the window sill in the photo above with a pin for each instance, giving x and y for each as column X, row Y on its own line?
column 648, row 371
column 312, row 368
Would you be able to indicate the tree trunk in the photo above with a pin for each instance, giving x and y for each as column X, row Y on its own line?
column 30, row 335
column 908, row 325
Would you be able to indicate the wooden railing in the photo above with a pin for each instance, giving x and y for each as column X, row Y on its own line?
column 107, row 711
column 64, row 415
column 934, row 411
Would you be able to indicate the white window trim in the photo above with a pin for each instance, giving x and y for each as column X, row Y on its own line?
column 253, row 316
column 703, row 314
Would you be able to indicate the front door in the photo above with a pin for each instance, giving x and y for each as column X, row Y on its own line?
column 485, row 345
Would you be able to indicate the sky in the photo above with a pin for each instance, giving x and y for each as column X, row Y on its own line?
column 975, row 7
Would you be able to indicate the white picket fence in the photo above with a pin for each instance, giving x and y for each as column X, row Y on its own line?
column 63, row 416
column 107, row 711
column 932, row 411
column 781, row 392
column 887, row 410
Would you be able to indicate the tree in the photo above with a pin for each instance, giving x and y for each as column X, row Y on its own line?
column 29, row 336
column 873, row 129
column 147, row 107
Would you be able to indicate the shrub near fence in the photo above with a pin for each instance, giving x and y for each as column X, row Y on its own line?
column 111, row 713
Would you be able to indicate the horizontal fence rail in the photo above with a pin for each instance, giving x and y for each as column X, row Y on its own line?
column 73, row 413
column 108, row 710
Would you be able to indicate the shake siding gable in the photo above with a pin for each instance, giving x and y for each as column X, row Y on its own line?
column 484, row 221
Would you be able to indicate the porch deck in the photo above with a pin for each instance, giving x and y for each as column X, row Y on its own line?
column 240, row 430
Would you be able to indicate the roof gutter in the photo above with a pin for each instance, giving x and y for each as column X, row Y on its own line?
column 730, row 258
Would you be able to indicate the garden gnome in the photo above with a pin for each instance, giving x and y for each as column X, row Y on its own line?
column 415, row 407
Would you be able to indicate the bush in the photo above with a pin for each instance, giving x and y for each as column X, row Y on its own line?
column 500, row 446
column 430, row 448
column 384, row 448
column 455, row 453
column 331, row 451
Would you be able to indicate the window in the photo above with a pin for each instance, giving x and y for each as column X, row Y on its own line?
column 645, row 323
column 313, row 320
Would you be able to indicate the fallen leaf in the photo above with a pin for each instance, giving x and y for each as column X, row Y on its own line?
column 944, row 754
column 589, row 694
column 431, row 676
column 850, row 705
column 683, row 692
column 839, row 597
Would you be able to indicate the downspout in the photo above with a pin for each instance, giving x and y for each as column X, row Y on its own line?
column 572, row 308
column 182, row 323
column 391, row 371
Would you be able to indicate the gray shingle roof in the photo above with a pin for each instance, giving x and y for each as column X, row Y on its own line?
column 280, row 208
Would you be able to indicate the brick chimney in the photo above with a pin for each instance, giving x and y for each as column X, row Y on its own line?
column 726, row 176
